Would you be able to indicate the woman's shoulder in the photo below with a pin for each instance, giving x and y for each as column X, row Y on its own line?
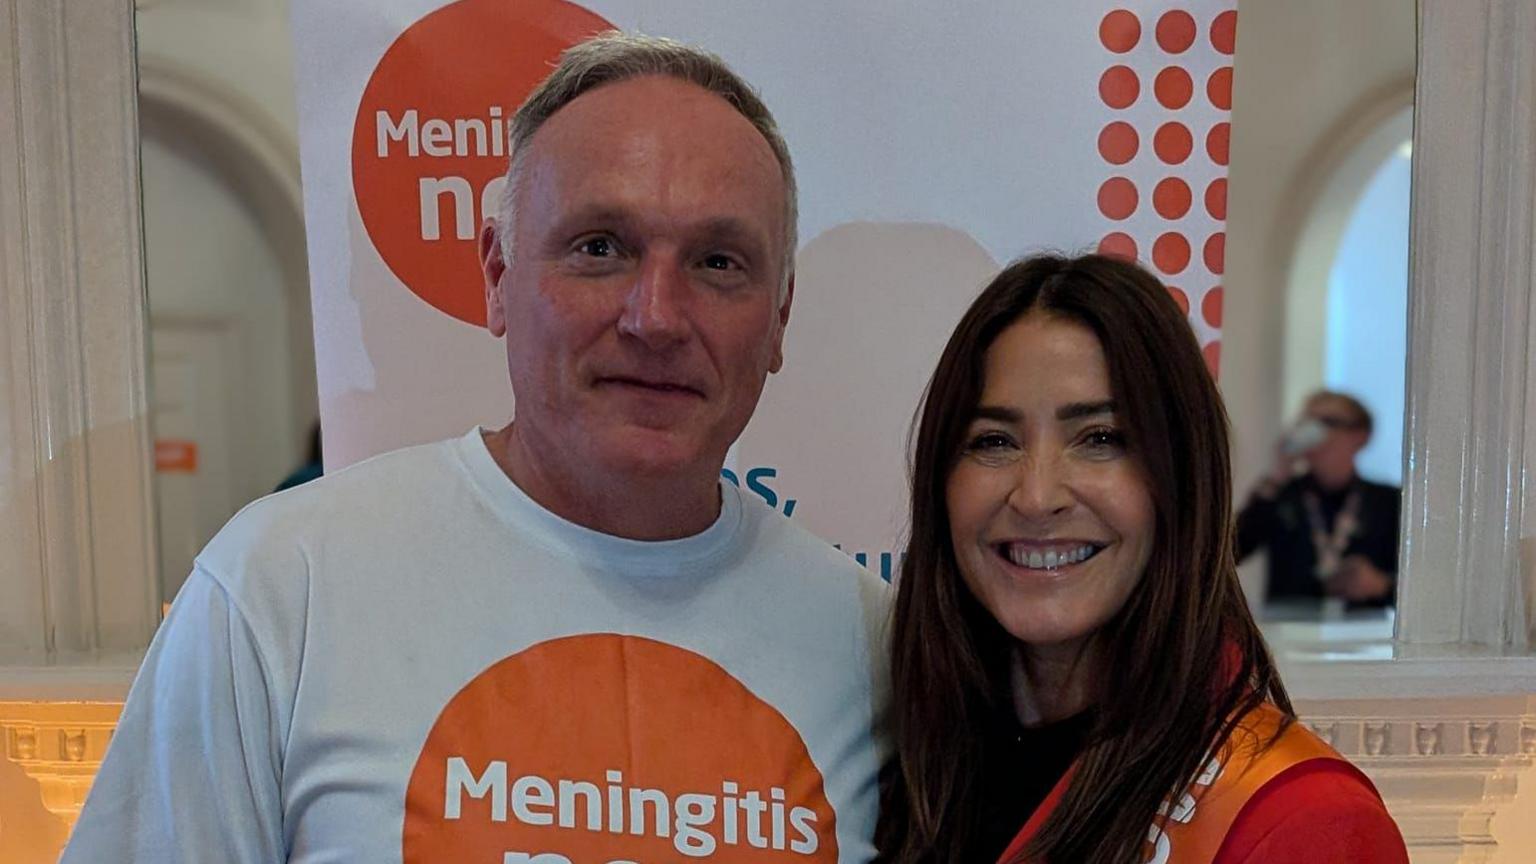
column 1318, row 811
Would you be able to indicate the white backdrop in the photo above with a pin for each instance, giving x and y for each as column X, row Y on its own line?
column 932, row 142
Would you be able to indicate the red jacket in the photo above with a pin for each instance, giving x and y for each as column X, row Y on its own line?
column 1290, row 801
column 1316, row 813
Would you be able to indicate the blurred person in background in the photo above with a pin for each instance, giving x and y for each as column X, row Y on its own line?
column 1328, row 531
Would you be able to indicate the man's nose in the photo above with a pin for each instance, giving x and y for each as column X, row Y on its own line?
column 655, row 312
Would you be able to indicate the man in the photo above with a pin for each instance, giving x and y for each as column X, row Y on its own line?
column 564, row 641
column 1329, row 532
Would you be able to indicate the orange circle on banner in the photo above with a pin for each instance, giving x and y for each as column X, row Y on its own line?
column 1180, row 298
column 1119, row 245
column 1117, row 198
column 1219, row 88
column 1216, row 253
column 1174, row 88
column 1173, row 143
column 1212, row 354
column 1216, row 198
column 429, row 140
column 1118, row 143
column 1119, row 87
column 1224, row 32
column 1210, row 306
column 1120, row 31
column 1176, row 31
column 1218, row 143
column 1171, row 198
column 605, row 747
column 1170, row 253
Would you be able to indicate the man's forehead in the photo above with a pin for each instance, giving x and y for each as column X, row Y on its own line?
column 655, row 112
column 650, row 143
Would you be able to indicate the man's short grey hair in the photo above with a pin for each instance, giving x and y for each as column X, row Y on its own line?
column 613, row 56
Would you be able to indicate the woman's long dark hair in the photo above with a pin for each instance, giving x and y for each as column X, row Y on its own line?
column 1179, row 662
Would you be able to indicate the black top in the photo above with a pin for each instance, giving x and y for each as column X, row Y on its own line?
column 1020, row 765
column 1281, row 526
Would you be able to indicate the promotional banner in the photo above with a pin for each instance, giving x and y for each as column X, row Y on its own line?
column 933, row 143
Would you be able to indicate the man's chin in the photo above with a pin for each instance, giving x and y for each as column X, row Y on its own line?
column 653, row 453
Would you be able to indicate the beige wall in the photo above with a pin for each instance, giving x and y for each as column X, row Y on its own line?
column 1312, row 78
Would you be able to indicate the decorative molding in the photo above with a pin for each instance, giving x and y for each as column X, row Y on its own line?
column 1470, row 432
column 76, row 500
column 1446, row 767
column 60, row 745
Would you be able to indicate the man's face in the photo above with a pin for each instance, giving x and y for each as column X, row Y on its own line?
column 1346, row 436
column 642, row 304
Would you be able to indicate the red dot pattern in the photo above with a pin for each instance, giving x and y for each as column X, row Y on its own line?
column 1218, row 143
column 1173, row 87
column 1212, row 352
column 1171, row 198
column 1181, row 61
column 1219, row 88
column 1119, row 142
column 1173, row 143
column 1118, row 198
column 1216, row 253
column 1210, row 307
column 1216, row 199
column 1176, row 31
column 1223, row 32
column 1119, row 87
column 1120, row 31
column 1118, row 244
column 1170, row 253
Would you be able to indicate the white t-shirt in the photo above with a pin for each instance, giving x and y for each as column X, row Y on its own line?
column 411, row 661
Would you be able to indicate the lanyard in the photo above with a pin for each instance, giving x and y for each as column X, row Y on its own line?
column 1329, row 546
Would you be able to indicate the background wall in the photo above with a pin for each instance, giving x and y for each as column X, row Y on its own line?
column 1313, row 80
column 232, row 347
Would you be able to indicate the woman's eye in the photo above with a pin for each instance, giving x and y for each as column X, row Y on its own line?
column 1104, row 440
column 989, row 441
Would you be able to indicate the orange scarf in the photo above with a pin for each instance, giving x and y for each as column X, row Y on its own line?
column 1195, row 827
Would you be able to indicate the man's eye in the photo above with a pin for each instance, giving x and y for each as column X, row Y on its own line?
column 719, row 261
column 597, row 247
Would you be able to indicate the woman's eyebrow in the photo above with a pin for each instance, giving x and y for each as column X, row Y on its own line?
column 997, row 413
column 1070, row 411
column 1079, row 410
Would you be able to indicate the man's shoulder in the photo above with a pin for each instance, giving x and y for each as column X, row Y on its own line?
column 366, row 497
column 782, row 540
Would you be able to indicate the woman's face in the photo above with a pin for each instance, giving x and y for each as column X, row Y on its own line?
column 1050, row 516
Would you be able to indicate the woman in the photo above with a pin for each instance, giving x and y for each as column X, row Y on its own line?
column 1070, row 643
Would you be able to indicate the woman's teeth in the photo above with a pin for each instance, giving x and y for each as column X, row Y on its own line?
column 1051, row 559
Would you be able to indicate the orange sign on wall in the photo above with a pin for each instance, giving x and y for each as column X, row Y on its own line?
column 175, row 456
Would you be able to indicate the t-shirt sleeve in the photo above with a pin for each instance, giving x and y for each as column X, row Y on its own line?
column 193, row 773
column 1317, row 813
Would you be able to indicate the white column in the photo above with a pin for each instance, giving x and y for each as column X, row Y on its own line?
column 1469, row 496
column 77, row 571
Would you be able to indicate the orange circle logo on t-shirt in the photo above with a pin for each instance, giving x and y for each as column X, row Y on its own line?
column 429, row 146
column 604, row 748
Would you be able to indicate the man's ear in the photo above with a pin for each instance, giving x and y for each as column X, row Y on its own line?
column 777, row 362
column 492, row 266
